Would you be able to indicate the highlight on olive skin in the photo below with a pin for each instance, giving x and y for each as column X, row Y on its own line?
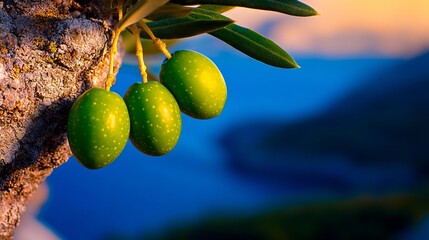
column 98, row 127
column 196, row 83
column 155, row 118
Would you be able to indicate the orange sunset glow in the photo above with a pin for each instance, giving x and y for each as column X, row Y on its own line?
column 346, row 28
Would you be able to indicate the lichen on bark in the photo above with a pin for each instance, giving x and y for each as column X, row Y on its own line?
column 50, row 53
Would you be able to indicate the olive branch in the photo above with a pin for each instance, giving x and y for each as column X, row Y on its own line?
column 177, row 19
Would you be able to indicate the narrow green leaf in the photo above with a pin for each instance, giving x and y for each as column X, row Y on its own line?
column 138, row 11
column 255, row 45
column 216, row 8
column 197, row 22
column 291, row 7
column 169, row 10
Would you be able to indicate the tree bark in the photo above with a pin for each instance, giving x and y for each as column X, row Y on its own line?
column 50, row 53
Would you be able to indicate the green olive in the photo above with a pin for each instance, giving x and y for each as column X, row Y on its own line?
column 98, row 127
column 196, row 83
column 155, row 118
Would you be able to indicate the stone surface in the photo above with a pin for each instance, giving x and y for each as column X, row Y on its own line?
column 50, row 52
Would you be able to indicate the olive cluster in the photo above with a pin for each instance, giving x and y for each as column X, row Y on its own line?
column 100, row 122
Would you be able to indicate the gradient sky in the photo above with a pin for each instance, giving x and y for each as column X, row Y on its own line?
column 347, row 28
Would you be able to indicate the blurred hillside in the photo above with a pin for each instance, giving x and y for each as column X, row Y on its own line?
column 363, row 218
column 375, row 137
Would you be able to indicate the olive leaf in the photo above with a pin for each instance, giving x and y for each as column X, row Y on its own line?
column 197, row 22
column 169, row 10
column 138, row 11
column 216, row 8
column 255, row 45
column 291, row 7
column 251, row 43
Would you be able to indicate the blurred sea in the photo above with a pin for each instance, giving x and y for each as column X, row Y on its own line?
column 139, row 195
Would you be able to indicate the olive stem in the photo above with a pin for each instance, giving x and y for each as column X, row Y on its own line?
column 139, row 51
column 120, row 13
column 118, row 7
column 158, row 42
column 111, row 76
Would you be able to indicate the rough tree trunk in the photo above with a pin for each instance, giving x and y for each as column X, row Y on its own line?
column 50, row 52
